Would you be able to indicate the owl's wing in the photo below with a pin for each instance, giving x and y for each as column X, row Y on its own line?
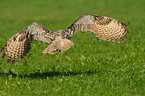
column 104, row 28
column 19, row 45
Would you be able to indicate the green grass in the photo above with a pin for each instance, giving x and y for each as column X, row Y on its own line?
column 91, row 66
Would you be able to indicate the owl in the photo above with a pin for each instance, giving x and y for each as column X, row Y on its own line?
column 105, row 28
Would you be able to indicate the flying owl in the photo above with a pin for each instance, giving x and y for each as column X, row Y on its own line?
column 103, row 27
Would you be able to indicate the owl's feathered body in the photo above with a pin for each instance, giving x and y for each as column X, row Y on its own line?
column 104, row 28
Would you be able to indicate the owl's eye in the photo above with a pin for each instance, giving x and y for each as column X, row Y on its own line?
column 52, row 36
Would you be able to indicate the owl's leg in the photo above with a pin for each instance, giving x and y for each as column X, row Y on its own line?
column 58, row 45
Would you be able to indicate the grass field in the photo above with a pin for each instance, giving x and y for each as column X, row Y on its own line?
column 91, row 66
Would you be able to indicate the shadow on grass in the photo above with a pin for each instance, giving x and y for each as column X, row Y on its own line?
column 48, row 74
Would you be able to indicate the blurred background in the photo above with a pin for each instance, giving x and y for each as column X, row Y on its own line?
column 59, row 14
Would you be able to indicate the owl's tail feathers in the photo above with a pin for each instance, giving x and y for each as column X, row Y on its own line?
column 57, row 46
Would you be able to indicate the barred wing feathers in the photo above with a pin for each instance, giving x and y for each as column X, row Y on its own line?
column 20, row 44
column 104, row 28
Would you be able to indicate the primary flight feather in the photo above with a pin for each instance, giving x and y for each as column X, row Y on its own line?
column 103, row 27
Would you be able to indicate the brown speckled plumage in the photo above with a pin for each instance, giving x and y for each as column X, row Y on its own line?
column 103, row 27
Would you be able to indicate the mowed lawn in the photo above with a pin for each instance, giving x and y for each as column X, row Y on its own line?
column 91, row 67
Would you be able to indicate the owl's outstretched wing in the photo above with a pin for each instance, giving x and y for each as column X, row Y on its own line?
column 104, row 28
column 20, row 44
